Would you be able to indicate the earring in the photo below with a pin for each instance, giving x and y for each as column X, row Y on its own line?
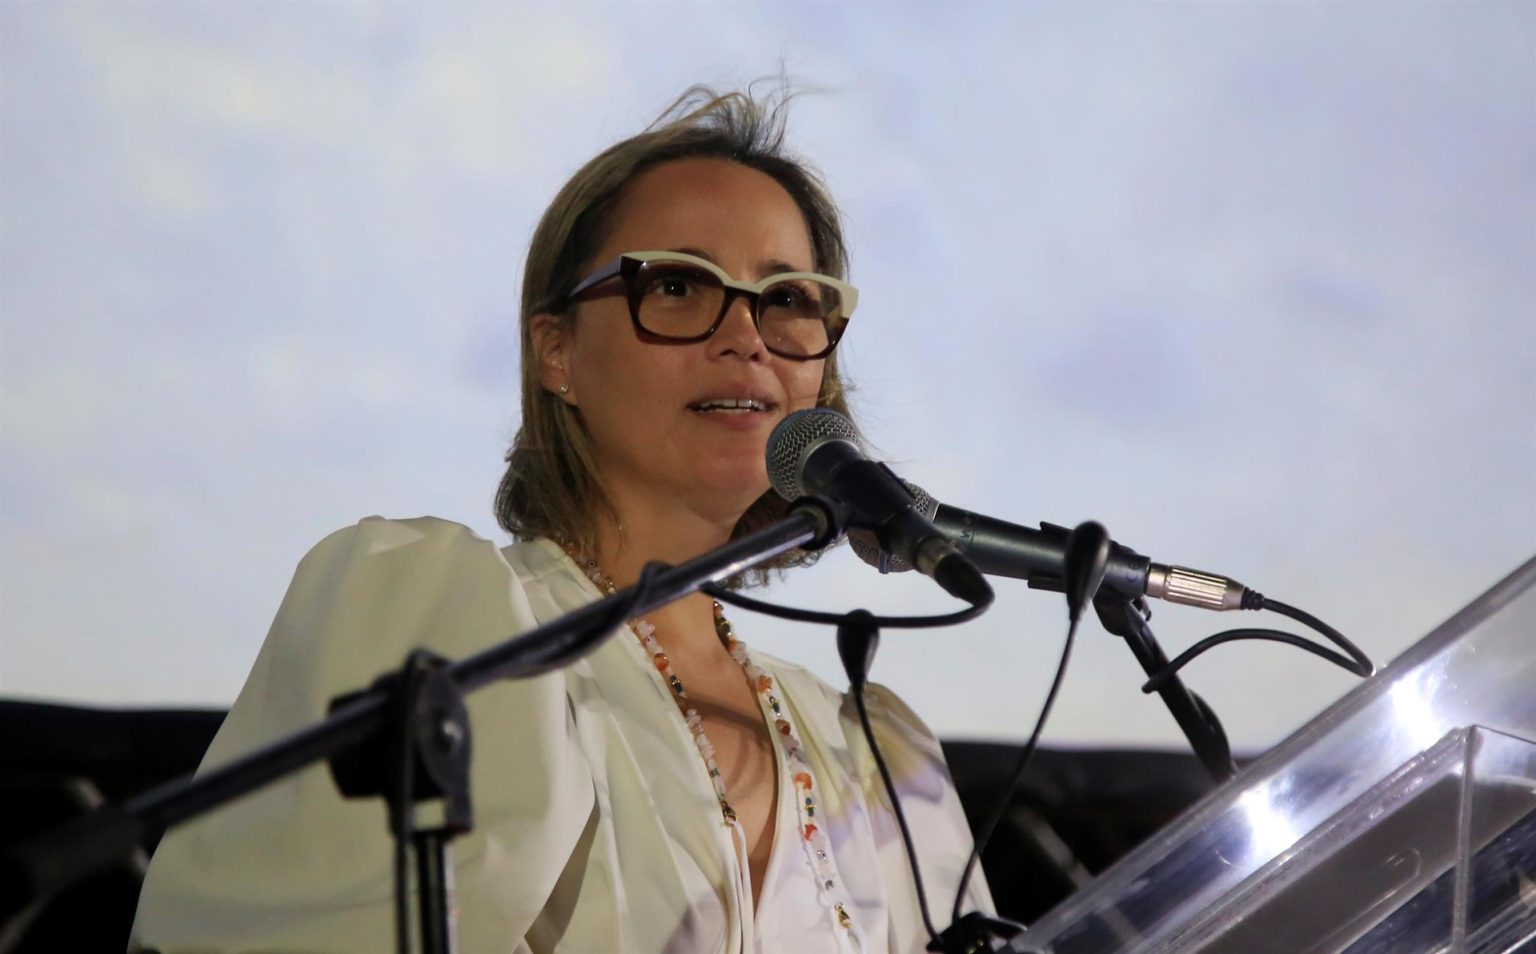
column 565, row 389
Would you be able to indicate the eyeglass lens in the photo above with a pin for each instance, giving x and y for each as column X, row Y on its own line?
column 797, row 316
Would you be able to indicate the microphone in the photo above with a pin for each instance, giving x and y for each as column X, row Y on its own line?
column 817, row 451
column 999, row 548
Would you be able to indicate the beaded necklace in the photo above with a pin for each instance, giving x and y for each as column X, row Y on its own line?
column 818, row 850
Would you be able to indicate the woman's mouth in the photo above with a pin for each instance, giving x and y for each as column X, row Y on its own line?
column 732, row 406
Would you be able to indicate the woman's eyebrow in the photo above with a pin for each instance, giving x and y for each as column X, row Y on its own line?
column 778, row 266
column 696, row 253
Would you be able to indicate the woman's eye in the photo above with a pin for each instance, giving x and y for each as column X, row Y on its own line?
column 792, row 298
column 673, row 285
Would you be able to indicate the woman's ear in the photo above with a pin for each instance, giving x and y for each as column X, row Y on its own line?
column 551, row 336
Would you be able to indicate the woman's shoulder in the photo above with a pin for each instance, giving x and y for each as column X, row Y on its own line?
column 394, row 583
column 365, row 597
column 396, row 563
column 537, row 559
column 429, row 552
column 315, row 865
column 386, row 533
column 416, row 552
column 549, row 580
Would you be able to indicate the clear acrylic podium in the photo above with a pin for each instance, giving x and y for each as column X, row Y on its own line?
column 1402, row 820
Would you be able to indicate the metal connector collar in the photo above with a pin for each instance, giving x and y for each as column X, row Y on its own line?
column 1178, row 584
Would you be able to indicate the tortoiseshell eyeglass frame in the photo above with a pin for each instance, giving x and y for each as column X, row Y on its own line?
column 628, row 265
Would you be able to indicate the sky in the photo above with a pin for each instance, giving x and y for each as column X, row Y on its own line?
column 1252, row 284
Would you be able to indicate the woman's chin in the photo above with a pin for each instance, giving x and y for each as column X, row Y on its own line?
column 735, row 492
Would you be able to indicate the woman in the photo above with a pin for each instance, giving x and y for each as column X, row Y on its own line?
column 672, row 791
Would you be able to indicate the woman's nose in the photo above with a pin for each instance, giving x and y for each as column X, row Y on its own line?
column 737, row 333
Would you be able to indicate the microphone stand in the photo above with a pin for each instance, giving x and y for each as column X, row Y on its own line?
column 1127, row 617
column 406, row 737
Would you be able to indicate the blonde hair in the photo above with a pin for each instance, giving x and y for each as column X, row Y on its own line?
column 551, row 487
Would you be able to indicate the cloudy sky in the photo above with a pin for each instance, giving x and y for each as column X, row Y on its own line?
column 1253, row 284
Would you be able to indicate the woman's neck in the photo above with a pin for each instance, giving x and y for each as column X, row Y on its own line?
column 670, row 534
column 649, row 523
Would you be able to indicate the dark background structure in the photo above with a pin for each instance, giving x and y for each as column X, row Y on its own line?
column 1077, row 811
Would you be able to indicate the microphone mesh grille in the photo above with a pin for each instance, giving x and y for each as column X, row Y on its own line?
column 867, row 546
column 795, row 435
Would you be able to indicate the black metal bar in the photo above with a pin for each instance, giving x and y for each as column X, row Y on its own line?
column 1124, row 618
column 434, row 893
column 549, row 647
column 173, row 802
column 57, row 858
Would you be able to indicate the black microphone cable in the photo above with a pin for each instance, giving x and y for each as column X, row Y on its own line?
column 857, row 639
column 858, row 635
column 1087, row 555
column 1356, row 662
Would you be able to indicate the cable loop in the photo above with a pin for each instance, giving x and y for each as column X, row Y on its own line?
column 838, row 619
column 1356, row 661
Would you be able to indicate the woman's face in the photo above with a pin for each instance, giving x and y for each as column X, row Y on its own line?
column 647, row 405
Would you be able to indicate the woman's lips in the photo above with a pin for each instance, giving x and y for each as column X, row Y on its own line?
column 733, row 405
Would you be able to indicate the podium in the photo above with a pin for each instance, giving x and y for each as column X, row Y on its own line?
column 1401, row 820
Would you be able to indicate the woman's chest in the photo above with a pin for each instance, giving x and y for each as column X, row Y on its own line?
column 738, row 740
column 654, row 782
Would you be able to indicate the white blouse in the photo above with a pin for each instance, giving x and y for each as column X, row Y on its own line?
column 596, row 826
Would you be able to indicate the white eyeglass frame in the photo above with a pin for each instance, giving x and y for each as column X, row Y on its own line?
column 627, row 265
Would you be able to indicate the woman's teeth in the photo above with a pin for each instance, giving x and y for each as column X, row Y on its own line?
column 731, row 405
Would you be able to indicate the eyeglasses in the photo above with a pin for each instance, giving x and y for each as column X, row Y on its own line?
column 679, row 298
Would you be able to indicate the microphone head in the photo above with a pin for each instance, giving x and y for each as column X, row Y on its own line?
column 793, row 440
column 867, row 546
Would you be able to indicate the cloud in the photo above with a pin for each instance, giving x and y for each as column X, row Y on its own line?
column 1249, row 283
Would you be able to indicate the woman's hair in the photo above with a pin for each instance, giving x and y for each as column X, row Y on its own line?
column 551, row 486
